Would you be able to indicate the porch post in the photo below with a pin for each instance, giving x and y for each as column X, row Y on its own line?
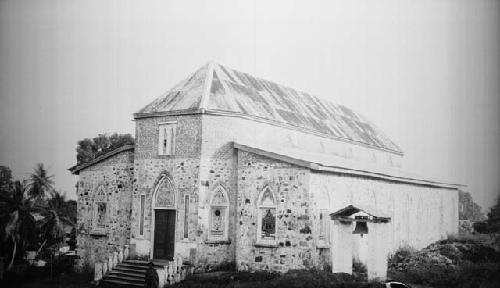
column 341, row 251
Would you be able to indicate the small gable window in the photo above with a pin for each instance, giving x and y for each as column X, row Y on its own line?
column 166, row 138
column 99, row 218
column 219, row 212
column 266, row 233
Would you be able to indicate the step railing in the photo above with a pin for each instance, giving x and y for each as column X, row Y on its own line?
column 113, row 259
column 173, row 272
column 170, row 273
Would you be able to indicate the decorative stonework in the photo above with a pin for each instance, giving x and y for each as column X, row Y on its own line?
column 242, row 208
column 219, row 208
column 165, row 194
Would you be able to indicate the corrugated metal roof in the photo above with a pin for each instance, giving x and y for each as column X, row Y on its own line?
column 238, row 93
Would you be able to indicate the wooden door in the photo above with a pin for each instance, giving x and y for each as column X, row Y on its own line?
column 164, row 234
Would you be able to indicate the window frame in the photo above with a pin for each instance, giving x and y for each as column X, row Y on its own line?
column 100, row 197
column 324, row 226
column 186, row 217
column 323, row 204
column 163, row 147
column 260, row 241
column 142, row 213
column 223, row 206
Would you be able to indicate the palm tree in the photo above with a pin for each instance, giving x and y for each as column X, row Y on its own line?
column 40, row 183
column 18, row 224
column 52, row 226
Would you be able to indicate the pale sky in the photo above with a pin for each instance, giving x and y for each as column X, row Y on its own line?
column 426, row 72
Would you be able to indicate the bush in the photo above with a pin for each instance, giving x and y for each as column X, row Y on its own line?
column 459, row 261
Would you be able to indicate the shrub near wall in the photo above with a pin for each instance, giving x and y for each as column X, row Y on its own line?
column 456, row 262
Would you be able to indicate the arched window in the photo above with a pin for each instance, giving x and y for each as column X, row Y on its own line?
column 266, row 228
column 219, row 215
column 100, row 210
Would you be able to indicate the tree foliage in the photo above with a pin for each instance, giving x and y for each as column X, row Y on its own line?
column 89, row 149
column 468, row 209
column 494, row 217
column 54, row 221
column 5, row 177
column 18, row 224
column 40, row 183
column 20, row 202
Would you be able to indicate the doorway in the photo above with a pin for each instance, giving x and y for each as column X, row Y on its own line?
column 164, row 234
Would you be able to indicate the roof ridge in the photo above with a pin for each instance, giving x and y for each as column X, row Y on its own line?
column 208, row 86
column 255, row 97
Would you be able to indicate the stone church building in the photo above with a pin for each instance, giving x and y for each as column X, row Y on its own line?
column 229, row 170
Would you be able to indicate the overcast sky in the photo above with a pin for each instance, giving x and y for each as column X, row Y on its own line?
column 426, row 72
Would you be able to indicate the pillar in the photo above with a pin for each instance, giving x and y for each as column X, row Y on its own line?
column 378, row 250
column 341, row 251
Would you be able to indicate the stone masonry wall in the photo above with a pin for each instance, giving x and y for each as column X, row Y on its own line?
column 219, row 166
column 115, row 174
column 295, row 231
column 183, row 170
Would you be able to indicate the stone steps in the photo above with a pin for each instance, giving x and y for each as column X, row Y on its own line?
column 126, row 272
column 129, row 273
column 130, row 279
column 118, row 283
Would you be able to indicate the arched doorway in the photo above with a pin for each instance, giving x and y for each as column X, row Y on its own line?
column 164, row 219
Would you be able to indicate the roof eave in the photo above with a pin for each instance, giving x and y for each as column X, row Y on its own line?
column 75, row 170
column 345, row 170
column 140, row 115
column 258, row 119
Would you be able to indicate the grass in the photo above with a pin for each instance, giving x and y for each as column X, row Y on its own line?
column 291, row 279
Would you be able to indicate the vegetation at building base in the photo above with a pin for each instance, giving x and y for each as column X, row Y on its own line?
column 468, row 260
column 492, row 224
column 263, row 279
column 459, row 261
column 493, row 221
column 88, row 149
column 34, row 218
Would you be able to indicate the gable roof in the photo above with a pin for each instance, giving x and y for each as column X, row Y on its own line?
column 75, row 170
column 217, row 89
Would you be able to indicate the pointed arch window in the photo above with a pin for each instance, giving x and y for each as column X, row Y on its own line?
column 219, row 215
column 99, row 217
column 266, row 228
